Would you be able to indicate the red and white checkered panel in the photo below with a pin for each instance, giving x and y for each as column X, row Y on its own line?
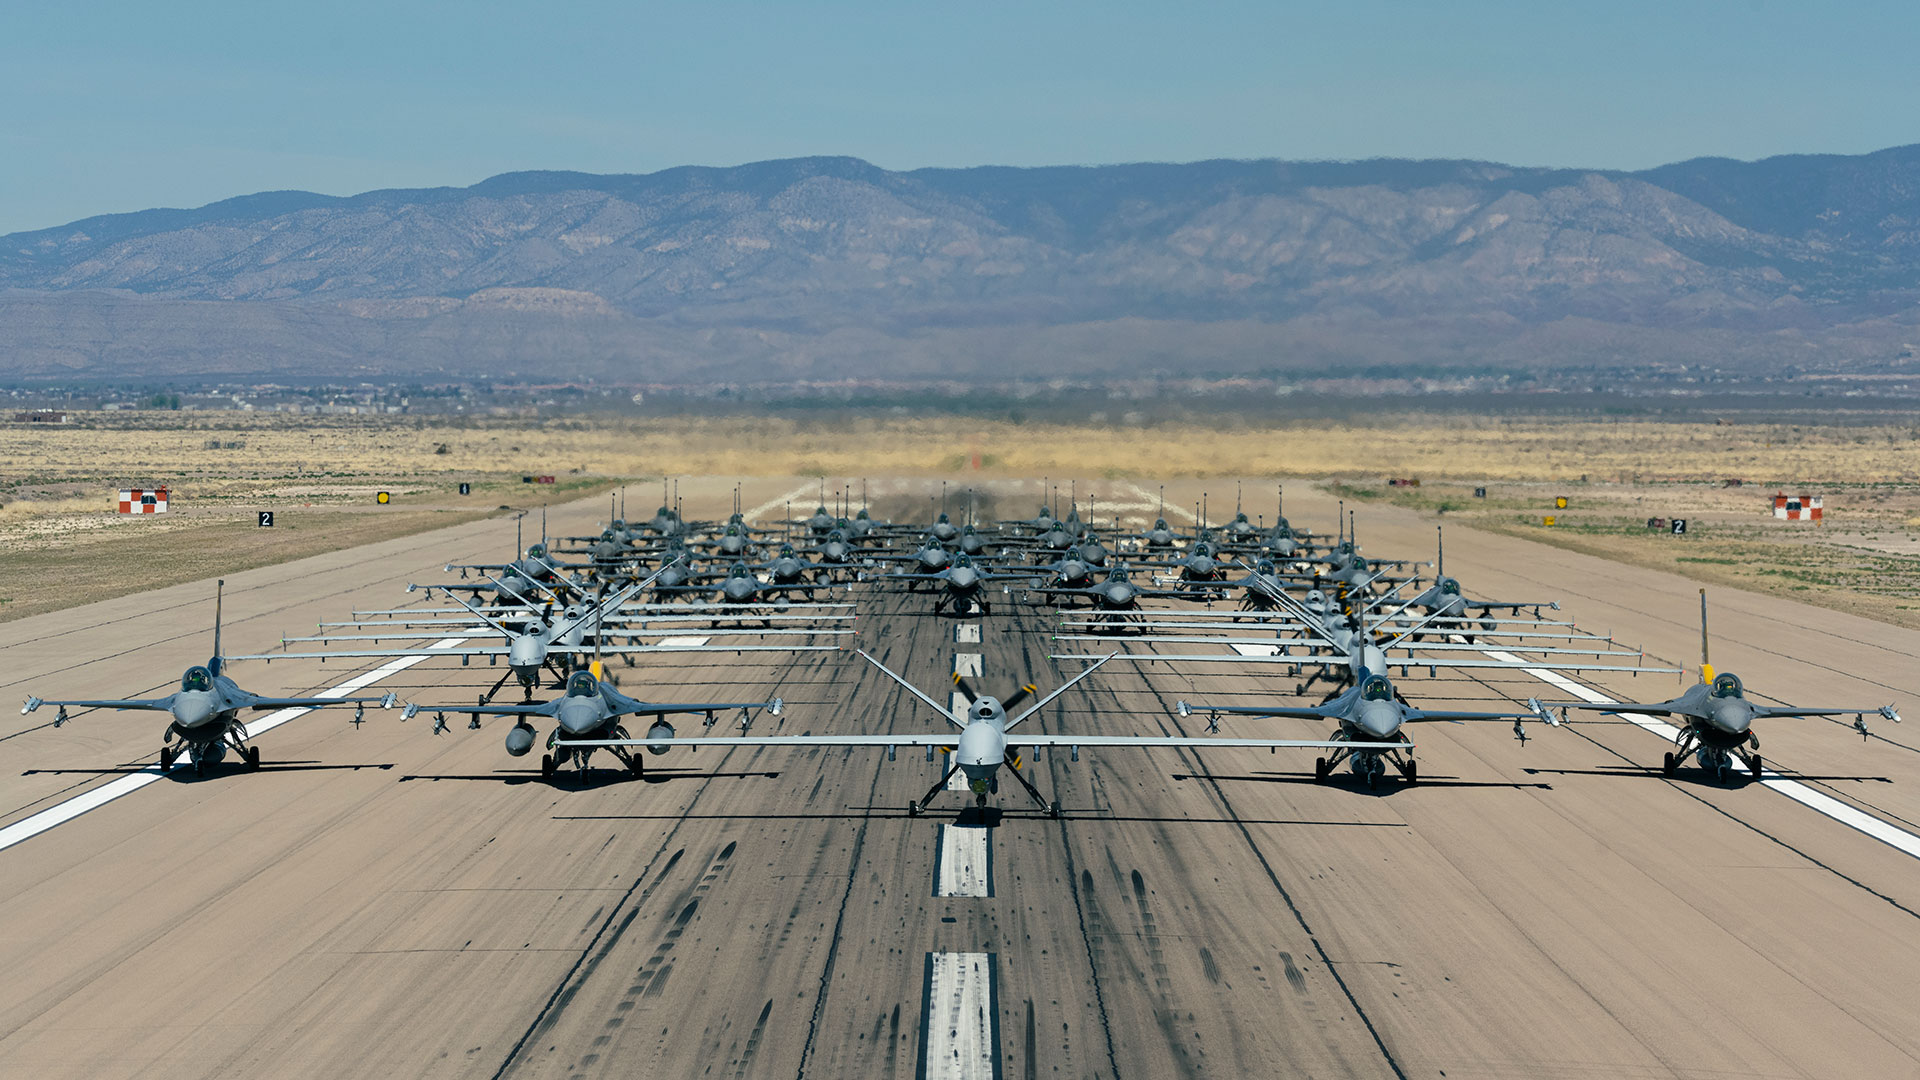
column 143, row 501
column 1797, row 507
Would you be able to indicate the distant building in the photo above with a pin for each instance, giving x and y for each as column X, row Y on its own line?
column 40, row 416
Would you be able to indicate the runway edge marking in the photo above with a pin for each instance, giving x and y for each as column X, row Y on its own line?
column 27, row 828
column 1886, row 833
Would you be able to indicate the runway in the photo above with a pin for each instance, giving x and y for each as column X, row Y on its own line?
column 384, row 901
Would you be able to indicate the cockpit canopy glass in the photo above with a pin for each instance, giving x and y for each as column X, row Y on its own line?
column 1377, row 688
column 197, row 678
column 582, row 684
column 1727, row 685
column 1450, row 586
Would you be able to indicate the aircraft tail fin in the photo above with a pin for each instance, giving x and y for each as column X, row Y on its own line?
column 214, row 664
column 1706, row 668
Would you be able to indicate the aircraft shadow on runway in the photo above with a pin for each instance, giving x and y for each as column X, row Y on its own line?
column 1735, row 778
column 1389, row 785
column 972, row 817
column 593, row 778
column 184, row 773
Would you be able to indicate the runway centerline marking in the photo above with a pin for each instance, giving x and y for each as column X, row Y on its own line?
column 956, row 705
column 966, row 663
column 1886, row 833
column 960, row 1028
column 963, row 864
column 966, row 634
column 53, row 816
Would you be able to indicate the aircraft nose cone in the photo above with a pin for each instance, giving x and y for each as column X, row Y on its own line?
column 1379, row 719
column 578, row 717
column 1732, row 717
column 980, row 745
column 964, row 577
column 192, row 709
column 737, row 590
column 526, row 652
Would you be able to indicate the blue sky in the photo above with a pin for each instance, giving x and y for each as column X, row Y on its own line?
column 118, row 106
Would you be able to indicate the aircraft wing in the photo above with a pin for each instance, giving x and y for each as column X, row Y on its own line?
column 160, row 704
column 261, row 704
column 1413, row 715
column 1887, row 711
column 1022, row 741
column 368, row 654
column 1300, row 712
column 1663, row 708
column 631, row 707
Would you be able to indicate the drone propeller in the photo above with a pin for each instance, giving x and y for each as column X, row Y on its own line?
column 1025, row 691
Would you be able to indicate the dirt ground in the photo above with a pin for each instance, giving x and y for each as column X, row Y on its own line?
column 61, row 542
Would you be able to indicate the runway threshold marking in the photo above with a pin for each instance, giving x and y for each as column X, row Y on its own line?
column 963, row 864
column 966, row 663
column 53, row 816
column 1886, row 833
column 960, row 1027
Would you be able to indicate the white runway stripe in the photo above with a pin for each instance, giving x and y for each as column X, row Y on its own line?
column 804, row 493
column 966, row 663
column 1839, row 811
column 46, row 819
column 960, row 1029
column 957, row 705
column 963, row 864
column 966, row 634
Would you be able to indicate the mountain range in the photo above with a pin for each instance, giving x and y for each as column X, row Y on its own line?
column 833, row 268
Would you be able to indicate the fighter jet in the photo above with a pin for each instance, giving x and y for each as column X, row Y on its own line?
column 931, row 558
column 1717, row 718
column 1039, row 523
column 206, row 710
column 1371, row 716
column 787, row 568
column 733, row 543
column 1161, row 538
column 1115, row 598
column 964, row 585
column 741, row 587
column 985, row 745
column 1718, row 721
column 592, row 709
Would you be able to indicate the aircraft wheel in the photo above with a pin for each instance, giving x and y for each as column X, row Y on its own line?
column 1053, row 810
column 636, row 766
column 199, row 765
column 253, row 758
column 1373, row 776
column 1754, row 763
column 1319, row 770
column 1667, row 767
column 913, row 809
column 546, row 765
column 1413, row 772
column 166, row 758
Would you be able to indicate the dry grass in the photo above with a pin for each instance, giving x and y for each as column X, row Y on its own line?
column 57, row 482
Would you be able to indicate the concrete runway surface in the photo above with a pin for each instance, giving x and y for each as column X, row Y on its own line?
column 384, row 901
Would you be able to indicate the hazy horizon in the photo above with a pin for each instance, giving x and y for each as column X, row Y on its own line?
column 126, row 107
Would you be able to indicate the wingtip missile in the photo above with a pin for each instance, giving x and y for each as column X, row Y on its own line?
column 778, row 707
column 1183, row 709
column 390, row 699
column 32, row 704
